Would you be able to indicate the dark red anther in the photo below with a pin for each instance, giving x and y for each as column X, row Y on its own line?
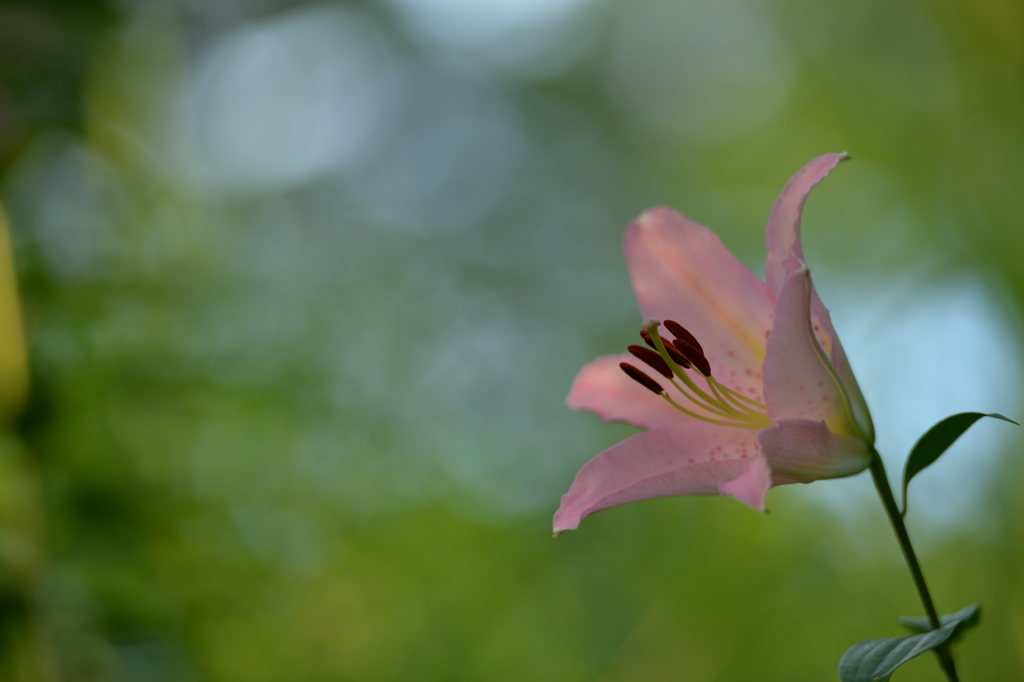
column 641, row 378
column 695, row 355
column 677, row 358
column 681, row 333
column 652, row 359
column 669, row 348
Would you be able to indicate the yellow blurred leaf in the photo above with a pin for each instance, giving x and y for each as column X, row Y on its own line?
column 13, row 360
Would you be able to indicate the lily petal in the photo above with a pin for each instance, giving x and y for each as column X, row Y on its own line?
column 682, row 271
column 752, row 485
column 801, row 450
column 783, row 235
column 786, row 255
column 688, row 459
column 603, row 387
column 799, row 382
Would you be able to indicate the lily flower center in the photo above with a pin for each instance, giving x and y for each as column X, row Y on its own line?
column 676, row 360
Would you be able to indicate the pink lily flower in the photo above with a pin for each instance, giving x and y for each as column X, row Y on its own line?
column 755, row 391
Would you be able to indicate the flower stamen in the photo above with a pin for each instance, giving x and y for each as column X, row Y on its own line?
column 641, row 378
column 738, row 399
column 651, row 359
column 672, row 351
column 704, row 405
column 687, row 344
column 718, row 404
column 736, row 395
column 682, row 334
column 650, row 384
column 719, row 422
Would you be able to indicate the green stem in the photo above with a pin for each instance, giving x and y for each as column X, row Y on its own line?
column 885, row 492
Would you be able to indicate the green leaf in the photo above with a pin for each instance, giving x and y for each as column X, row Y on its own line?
column 936, row 441
column 968, row 617
column 875, row 660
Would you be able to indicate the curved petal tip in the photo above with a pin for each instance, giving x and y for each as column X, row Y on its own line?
column 782, row 237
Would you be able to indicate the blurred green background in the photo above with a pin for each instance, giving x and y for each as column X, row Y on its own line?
column 304, row 285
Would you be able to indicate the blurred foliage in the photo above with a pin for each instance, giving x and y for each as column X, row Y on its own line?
column 305, row 285
column 45, row 48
